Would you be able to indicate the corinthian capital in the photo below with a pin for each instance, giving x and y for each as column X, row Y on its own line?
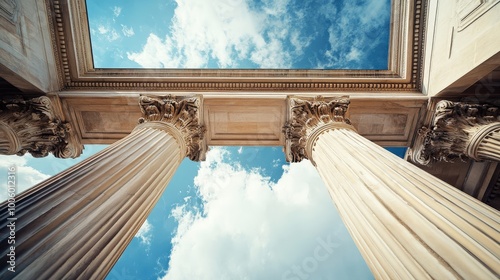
column 32, row 126
column 181, row 113
column 307, row 119
column 456, row 132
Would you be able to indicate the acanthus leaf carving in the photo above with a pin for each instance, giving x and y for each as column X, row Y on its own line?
column 451, row 131
column 32, row 126
column 306, row 116
column 183, row 114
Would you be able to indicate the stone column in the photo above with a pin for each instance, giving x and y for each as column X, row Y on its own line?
column 76, row 224
column 459, row 131
column 32, row 126
column 406, row 223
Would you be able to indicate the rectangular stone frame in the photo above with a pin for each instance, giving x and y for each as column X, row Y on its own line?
column 72, row 43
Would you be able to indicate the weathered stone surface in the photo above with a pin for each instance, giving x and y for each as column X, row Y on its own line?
column 183, row 114
column 307, row 116
column 32, row 126
column 460, row 131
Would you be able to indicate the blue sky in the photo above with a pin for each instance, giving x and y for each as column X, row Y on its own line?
column 327, row 34
column 244, row 213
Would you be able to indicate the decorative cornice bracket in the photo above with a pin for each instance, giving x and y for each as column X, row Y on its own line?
column 183, row 113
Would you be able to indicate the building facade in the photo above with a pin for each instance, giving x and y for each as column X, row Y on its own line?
column 434, row 215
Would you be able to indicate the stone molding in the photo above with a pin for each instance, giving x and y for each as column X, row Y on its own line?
column 71, row 39
column 183, row 114
column 456, row 132
column 308, row 119
column 32, row 126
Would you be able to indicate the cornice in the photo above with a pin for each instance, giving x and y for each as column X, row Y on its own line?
column 72, row 46
column 54, row 17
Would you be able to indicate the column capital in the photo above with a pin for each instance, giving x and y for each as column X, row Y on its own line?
column 456, row 132
column 181, row 113
column 32, row 126
column 307, row 119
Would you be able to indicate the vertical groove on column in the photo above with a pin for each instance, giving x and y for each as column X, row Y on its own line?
column 348, row 199
column 107, row 195
column 448, row 217
column 489, row 148
column 375, row 220
column 108, row 214
column 406, row 222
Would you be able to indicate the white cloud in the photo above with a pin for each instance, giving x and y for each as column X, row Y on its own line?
column 348, row 48
column 102, row 29
column 107, row 32
column 157, row 54
column 127, row 31
column 225, row 31
column 254, row 229
column 354, row 54
column 144, row 233
column 117, row 11
column 25, row 176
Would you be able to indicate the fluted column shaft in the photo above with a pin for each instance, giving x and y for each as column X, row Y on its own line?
column 66, row 226
column 406, row 223
column 485, row 143
column 76, row 224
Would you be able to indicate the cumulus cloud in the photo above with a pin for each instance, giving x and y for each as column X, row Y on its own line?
column 227, row 32
column 144, row 233
column 25, row 176
column 251, row 228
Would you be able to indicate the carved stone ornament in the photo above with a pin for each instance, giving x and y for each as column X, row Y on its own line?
column 305, row 117
column 453, row 131
column 183, row 114
column 31, row 126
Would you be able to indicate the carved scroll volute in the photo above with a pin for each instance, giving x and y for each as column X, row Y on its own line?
column 32, row 126
column 451, row 131
column 306, row 117
column 183, row 113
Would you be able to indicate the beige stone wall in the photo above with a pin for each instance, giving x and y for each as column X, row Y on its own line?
column 462, row 44
column 26, row 56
